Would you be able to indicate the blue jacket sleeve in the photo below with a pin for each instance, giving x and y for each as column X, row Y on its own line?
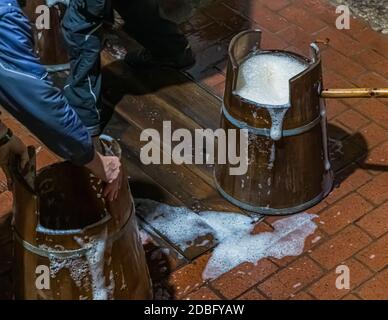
column 28, row 94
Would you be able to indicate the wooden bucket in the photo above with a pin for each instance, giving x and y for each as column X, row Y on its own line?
column 49, row 44
column 287, row 175
column 90, row 248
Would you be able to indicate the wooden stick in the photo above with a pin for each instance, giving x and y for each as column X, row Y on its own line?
column 355, row 93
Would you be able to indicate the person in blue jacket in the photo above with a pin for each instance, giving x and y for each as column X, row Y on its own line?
column 27, row 92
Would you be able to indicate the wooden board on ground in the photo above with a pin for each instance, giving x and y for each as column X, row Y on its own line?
column 143, row 100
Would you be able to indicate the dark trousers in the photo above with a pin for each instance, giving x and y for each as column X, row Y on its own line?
column 144, row 23
column 81, row 28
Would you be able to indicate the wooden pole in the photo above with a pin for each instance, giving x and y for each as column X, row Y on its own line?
column 355, row 93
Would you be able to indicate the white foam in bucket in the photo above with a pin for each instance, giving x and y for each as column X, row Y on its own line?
column 264, row 78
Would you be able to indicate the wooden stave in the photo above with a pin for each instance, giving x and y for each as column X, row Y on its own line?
column 128, row 263
column 49, row 44
column 281, row 200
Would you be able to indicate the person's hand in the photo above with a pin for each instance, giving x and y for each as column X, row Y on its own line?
column 111, row 190
column 108, row 169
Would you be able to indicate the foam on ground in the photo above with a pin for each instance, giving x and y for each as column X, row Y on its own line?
column 239, row 245
column 180, row 225
column 233, row 231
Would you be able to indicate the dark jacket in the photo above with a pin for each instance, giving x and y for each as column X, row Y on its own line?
column 30, row 96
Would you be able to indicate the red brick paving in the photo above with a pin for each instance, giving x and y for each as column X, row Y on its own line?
column 352, row 120
column 342, row 246
column 204, row 293
column 376, row 191
column 353, row 220
column 347, row 181
column 375, row 288
column 243, row 277
column 351, row 297
column 325, row 289
column 375, row 256
column 302, row 296
column 5, row 203
column 291, row 279
column 342, row 64
column 188, row 278
column 375, row 110
column 252, row 294
column 374, row 134
column 344, row 212
column 375, row 222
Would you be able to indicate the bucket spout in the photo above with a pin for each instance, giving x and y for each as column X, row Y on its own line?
column 241, row 46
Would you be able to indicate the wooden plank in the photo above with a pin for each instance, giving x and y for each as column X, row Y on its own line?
column 145, row 186
column 149, row 113
column 185, row 185
column 170, row 85
column 194, row 188
column 142, row 90
column 143, row 99
column 146, row 97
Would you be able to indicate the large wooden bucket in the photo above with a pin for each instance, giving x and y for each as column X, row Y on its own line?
column 49, row 45
column 89, row 248
column 285, row 175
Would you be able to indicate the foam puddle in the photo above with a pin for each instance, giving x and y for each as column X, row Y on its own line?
column 264, row 78
column 233, row 231
column 180, row 225
column 238, row 245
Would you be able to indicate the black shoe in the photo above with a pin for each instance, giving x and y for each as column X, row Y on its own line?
column 144, row 58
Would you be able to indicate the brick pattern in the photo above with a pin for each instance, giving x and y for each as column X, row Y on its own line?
column 326, row 289
column 204, row 293
column 353, row 220
column 5, row 203
column 245, row 276
column 293, row 278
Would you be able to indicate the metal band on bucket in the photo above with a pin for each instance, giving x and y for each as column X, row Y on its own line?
column 328, row 183
column 267, row 132
column 68, row 253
